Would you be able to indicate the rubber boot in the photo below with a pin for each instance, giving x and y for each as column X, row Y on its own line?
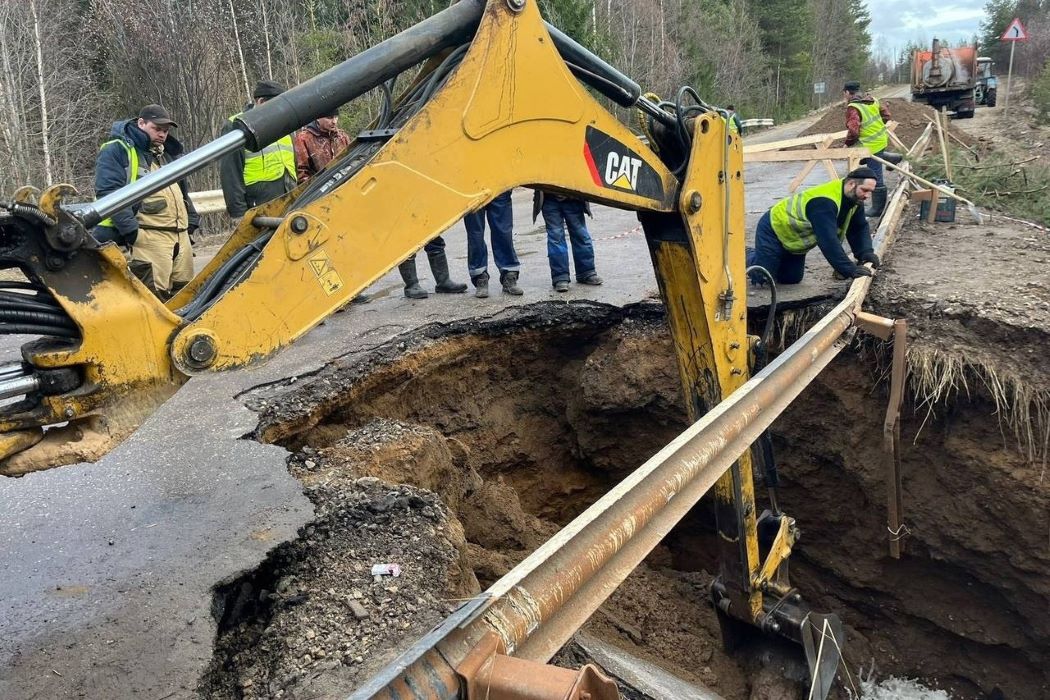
column 509, row 280
column 878, row 202
column 481, row 285
column 439, row 267
column 408, row 274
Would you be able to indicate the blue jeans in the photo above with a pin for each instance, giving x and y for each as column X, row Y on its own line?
column 501, row 225
column 557, row 215
column 786, row 268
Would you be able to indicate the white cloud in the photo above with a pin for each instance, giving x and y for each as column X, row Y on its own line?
column 895, row 23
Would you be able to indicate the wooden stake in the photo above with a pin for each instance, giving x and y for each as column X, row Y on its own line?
column 941, row 128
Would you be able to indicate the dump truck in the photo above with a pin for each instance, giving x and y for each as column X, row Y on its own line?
column 945, row 77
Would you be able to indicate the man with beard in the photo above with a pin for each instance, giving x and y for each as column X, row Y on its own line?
column 822, row 216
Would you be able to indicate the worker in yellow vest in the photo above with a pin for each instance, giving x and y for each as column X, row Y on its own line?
column 251, row 178
column 822, row 216
column 866, row 119
column 157, row 229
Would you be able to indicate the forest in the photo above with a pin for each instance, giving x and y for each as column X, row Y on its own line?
column 69, row 68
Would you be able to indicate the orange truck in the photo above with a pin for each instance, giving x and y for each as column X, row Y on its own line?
column 945, row 77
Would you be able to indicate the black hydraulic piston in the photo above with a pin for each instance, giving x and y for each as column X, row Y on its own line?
column 352, row 78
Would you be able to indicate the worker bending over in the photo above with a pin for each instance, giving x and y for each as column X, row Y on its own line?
column 866, row 119
column 820, row 216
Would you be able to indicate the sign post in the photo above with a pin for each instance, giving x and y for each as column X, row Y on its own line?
column 1014, row 33
column 819, row 89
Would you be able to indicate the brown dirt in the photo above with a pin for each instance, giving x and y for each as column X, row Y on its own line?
column 519, row 424
column 911, row 118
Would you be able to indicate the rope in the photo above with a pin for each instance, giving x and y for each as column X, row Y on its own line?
column 899, row 534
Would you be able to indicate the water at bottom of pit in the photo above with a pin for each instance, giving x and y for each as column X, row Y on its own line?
column 457, row 452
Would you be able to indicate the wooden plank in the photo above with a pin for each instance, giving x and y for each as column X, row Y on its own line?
column 942, row 118
column 808, row 167
column 829, row 168
column 814, row 154
column 935, row 199
column 790, row 143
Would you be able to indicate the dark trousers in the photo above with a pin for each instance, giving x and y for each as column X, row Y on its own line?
column 501, row 224
column 786, row 268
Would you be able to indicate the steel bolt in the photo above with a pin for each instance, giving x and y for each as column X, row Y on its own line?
column 201, row 352
column 516, row 5
column 300, row 224
column 695, row 202
column 69, row 412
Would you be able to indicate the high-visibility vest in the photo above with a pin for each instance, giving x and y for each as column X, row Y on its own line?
column 132, row 169
column 793, row 229
column 873, row 134
column 271, row 163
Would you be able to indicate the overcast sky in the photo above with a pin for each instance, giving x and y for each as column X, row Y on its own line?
column 896, row 23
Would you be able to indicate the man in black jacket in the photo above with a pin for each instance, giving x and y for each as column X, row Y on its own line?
column 158, row 228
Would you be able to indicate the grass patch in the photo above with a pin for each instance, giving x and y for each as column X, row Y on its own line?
column 1017, row 186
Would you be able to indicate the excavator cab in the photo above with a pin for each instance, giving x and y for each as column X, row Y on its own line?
column 501, row 99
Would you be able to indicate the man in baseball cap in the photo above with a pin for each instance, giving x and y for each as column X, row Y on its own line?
column 157, row 115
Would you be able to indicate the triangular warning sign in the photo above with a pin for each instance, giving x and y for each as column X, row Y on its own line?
column 1015, row 32
column 623, row 182
column 319, row 264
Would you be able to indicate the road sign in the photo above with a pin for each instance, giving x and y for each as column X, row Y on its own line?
column 1015, row 32
column 819, row 88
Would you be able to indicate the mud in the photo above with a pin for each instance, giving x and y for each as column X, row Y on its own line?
column 506, row 429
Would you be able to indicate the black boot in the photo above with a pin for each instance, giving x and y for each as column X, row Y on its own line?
column 878, row 202
column 509, row 280
column 481, row 285
column 408, row 274
column 439, row 267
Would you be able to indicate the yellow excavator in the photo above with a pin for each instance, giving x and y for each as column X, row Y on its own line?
column 500, row 99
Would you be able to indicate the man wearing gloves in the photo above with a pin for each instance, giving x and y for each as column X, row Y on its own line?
column 822, row 216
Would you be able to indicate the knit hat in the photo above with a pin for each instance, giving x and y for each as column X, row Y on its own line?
column 861, row 173
column 852, row 86
column 267, row 89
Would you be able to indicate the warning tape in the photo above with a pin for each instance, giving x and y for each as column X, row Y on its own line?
column 634, row 230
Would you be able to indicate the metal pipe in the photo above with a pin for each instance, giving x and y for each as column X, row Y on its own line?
column 18, row 386
column 357, row 75
column 598, row 74
column 104, row 207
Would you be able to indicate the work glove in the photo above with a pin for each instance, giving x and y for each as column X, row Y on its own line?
column 192, row 233
column 869, row 257
column 861, row 271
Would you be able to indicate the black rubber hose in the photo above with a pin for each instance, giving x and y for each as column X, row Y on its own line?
column 28, row 329
column 767, row 333
column 41, row 317
column 25, row 301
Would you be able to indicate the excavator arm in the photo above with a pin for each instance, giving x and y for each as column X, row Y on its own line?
column 500, row 101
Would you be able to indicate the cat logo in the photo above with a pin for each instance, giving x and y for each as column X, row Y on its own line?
column 613, row 165
column 621, row 171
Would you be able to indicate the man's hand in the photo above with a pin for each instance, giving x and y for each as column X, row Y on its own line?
column 862, row 271
column 869, row 257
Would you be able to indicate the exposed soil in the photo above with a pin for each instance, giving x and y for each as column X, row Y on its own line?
column 518, row 424
column 911, row 121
